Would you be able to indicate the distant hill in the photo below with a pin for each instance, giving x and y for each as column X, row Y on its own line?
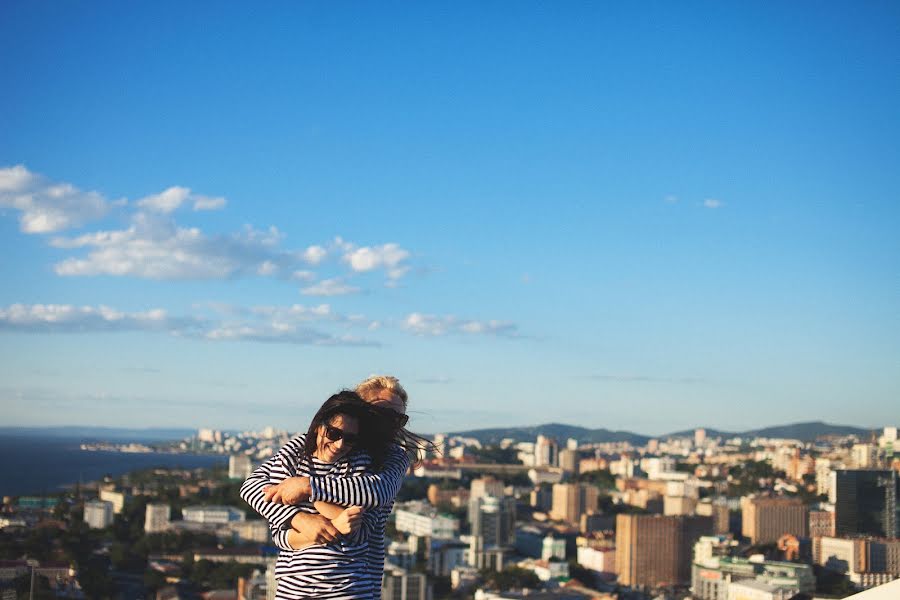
column 807, row 432
column 558, row 431
column 104, row 434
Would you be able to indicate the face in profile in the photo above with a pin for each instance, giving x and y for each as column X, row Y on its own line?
column 336, row 438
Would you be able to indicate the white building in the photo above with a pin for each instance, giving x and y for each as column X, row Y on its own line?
column 546, row 452
column 600, row 560
column 552, row 547
column 156, row 518
column 421, row 519
column 98, row 514
column 400, row 554
column 655, row 466
column 212, row 514
column 239, row 466
column 750, row 589
column 117, row 499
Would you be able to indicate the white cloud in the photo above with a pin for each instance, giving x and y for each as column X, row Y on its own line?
column 303, row 275
column 330, row 287
column 430, row 325
column 314, row 255
column 289, row 325
column 173, row 198
column 671, row 199
column 85, row 319
column 156, row 248
column 267, row 268
column 387, row 256
column 166, row 201
column 713, row 203
column 47, row 206
column 207, row 203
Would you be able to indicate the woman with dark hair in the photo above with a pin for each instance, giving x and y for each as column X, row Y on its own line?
column 325, row 547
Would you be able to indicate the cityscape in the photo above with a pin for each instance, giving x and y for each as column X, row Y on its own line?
column 698, row 516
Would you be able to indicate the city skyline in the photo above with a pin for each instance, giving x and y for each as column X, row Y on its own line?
column 641, row 223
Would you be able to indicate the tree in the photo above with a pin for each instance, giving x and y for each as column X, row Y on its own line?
column 511, row 578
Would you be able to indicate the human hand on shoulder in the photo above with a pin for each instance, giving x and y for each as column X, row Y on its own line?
column 292, row 490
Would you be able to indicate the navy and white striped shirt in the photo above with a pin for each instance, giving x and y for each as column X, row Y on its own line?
column 350, row 568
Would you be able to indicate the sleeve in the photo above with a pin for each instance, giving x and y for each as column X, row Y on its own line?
column 367, row 491
column 279, row 538
column 273, row 471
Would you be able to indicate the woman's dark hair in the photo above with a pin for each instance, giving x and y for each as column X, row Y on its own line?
column 378, row 429
column 386, row 429
column 344, row 402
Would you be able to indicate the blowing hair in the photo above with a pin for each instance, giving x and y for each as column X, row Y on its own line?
column 344, row 402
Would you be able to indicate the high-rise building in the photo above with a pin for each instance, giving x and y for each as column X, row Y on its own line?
column 156, row 518
column 766, row 519
column 398, row 584
column 866, row 503
column 493, row 520
column 239, row 466
column 98, row 514
column 568, row 461
column 483, row 486
column 699, row 437
column 546, row 452
column 864, row 456
column 571, row 500
column 656, row 550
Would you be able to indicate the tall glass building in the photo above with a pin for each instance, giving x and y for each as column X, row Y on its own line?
column 866, row 502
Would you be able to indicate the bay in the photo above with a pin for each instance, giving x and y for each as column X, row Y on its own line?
column 35, row 465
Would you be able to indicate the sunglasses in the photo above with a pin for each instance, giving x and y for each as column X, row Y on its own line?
column 397, row 419
column 334, row 434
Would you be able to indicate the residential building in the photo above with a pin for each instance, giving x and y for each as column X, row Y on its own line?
column 711, row 578
column 422, row 519
column 821, row 523
column 765, row 519
column 116, row 498
column 156, row 518
column 212, row 514
column 239, row 467
column 571, row 500
column 98, row 514
column 546, row 452
column 655, row 550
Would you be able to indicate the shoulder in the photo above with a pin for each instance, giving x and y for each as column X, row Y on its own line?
column 296, row 444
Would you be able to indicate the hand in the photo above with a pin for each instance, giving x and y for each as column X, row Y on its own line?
column 313, row 529
column 349, row 520
column 292, row 490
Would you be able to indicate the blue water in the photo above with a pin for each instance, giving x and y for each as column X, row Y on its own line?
column 32, row 465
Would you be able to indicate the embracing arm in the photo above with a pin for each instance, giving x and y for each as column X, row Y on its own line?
column 367, row 491
column 278, row 468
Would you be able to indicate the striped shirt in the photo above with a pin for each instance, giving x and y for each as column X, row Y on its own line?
column 351, row 567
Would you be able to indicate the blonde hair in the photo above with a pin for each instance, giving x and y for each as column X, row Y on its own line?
column 370, row 388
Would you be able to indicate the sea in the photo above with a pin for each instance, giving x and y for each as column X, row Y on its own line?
column 39, row 464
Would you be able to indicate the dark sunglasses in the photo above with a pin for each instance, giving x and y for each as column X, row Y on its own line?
column 334, row 434
column 397, row 419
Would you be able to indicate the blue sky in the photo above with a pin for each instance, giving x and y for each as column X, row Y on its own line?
column 640, row 216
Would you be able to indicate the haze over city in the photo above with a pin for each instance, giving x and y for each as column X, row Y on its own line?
column 573, row 214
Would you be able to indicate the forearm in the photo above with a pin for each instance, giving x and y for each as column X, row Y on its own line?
column 368, row 491
column 328, row 510
column 272, row 471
